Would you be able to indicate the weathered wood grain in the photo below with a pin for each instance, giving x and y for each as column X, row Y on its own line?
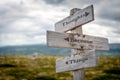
column 76, row 41
column 77, row 62
column 79, row 18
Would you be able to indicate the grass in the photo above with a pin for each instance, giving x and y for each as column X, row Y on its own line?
column 43, row 68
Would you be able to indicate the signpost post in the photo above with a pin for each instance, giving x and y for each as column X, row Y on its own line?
column 83, row 46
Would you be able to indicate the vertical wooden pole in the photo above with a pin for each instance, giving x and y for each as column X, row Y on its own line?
column 77, row 74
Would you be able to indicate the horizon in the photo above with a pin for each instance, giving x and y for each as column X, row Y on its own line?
column 39, row 44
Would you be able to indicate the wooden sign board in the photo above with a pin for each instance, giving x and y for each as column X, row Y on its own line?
column 78, row 62
column 79, row 18
column 65, row 40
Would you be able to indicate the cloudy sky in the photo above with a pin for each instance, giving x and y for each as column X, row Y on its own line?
column 26, row 21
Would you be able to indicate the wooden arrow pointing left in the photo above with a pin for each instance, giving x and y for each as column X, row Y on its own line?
column 76, row 41
column 77, row 62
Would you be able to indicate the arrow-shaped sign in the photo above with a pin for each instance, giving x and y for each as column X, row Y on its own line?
column 79, row 18
column 77, row 62
column 76, row 41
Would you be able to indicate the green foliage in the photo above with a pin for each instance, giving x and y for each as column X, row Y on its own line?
column 43, row 68
column 114, row 70
column 7, row 65
column 107, row 77
column 45, row 78
column 111, row 74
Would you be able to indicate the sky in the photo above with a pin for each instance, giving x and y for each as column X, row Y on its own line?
column 25, row 22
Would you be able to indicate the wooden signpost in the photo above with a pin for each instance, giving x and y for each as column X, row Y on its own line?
column 83, row 46
column 76, row 41
column 89, row 59
column 73, row 21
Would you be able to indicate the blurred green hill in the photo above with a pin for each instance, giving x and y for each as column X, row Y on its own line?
column 44, row 50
